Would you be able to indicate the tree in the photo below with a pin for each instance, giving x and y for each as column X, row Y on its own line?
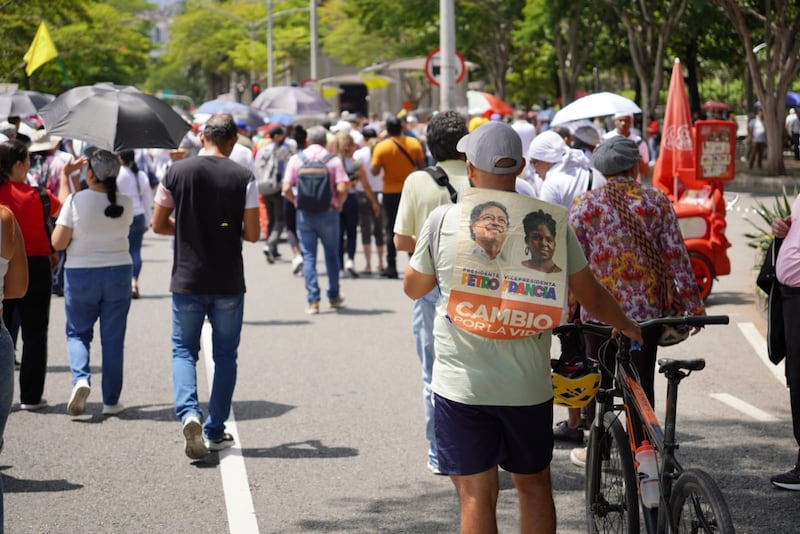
column 775, row 25
column 95, row 42
column 567, row 27
column 649, row 25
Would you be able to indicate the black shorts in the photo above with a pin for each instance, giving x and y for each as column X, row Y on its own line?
column 471, row 438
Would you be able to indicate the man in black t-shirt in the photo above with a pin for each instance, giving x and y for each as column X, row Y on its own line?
column 215, row 206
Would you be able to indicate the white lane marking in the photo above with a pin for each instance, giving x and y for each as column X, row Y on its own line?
column 759, row 344
column 238, row 500
column 744, row 407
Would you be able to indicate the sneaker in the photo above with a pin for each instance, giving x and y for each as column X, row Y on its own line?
column 77, row 400
column 193, row 435
column 578, row 457
column 32, row 407
column 350, row 268
column 269, row 255
column 562, row 432
column 337, row 302
column 112, row 409
column 789, row 480
column 297, row 264
column 313, row 307
column 225, row 442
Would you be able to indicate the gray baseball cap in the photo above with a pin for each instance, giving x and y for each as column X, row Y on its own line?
column 615, row 155
column 103, row 163
column 491, row 142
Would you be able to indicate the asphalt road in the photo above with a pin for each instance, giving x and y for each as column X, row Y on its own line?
column 329, row 420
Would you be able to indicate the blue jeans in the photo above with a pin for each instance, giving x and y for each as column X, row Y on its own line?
column 135, row 238
column 422, row 315
column 225, row 313
column 325, row 227
column 6, row 392
column 89, row 294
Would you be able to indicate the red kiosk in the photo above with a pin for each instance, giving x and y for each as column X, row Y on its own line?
column 692, row 166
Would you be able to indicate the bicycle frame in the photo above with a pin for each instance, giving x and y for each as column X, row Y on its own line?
column 641, row 421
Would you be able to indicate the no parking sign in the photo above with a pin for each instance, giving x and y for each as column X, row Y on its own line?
column 433, row 67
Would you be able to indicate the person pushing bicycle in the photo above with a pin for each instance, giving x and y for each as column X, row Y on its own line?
column 630, row 235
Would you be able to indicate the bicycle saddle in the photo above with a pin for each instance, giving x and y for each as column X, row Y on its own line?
column 666, row 365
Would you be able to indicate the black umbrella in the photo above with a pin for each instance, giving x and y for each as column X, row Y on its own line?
column 114, row 117
column 22, row 103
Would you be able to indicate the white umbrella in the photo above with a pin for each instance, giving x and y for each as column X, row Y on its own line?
column 595, row 105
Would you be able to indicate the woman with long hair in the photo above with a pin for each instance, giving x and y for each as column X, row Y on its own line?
column 93, row 227
column 133, row 183
column 33, row 209
column 344, row 148
column 371, row 221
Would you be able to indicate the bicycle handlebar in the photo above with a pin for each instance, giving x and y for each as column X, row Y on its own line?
column 689, row 320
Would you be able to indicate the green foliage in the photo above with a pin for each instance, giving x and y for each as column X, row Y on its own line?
column 95, row 42
column 781, row 208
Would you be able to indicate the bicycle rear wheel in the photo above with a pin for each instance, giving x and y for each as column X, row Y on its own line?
column 612, row 497
column 698, row 506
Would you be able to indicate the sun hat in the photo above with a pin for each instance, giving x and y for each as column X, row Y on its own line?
column 103, row 163
column 615, row 155
column 490, row 143
column 42, row 141
column 548, row 146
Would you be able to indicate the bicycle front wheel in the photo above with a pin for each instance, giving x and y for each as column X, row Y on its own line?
column 698, row 506
column 612, row 497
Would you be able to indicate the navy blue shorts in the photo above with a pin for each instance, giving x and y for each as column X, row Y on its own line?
column 471, row 439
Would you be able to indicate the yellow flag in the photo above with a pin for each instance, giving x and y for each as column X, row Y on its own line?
column 41, row 51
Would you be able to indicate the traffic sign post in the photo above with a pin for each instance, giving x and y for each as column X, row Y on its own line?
column 433, row 67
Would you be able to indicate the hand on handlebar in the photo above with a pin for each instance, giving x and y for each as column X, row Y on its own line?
column 632, row 331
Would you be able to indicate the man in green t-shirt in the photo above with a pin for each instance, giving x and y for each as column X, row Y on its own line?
column 493, row 394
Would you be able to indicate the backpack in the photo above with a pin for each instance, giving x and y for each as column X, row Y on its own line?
column 269, row 169
column 314, row 192
column 442, row 180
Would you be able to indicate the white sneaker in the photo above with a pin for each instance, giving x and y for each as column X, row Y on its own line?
column 112, row 409
column 297, row 264
column 77, row 400
column 578, row 456
column 193, row 435
column 350, row 268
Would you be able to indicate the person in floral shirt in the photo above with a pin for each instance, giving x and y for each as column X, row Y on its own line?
column 614, row 256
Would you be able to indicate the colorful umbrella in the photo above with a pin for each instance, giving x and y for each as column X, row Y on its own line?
column 291, row 100
column 676, row 156
column 486, row 104
column 595, row 105
column 22, row 103
column 114, row 117
column 240, row 112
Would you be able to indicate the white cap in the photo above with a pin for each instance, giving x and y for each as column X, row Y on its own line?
column 490, row 143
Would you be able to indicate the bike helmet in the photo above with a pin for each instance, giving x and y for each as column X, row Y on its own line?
column 576, row 389
column 576, row 378
column 673, row 334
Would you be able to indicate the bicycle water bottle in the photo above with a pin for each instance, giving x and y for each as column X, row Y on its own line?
column 648, row 474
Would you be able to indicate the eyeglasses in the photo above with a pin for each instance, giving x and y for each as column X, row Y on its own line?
column 488, row 218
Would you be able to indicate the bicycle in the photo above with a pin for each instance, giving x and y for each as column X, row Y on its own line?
column 689, row 500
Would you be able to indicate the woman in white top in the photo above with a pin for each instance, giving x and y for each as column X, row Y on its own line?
column 13, row 284
column 93, row 227
column 133, row 183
